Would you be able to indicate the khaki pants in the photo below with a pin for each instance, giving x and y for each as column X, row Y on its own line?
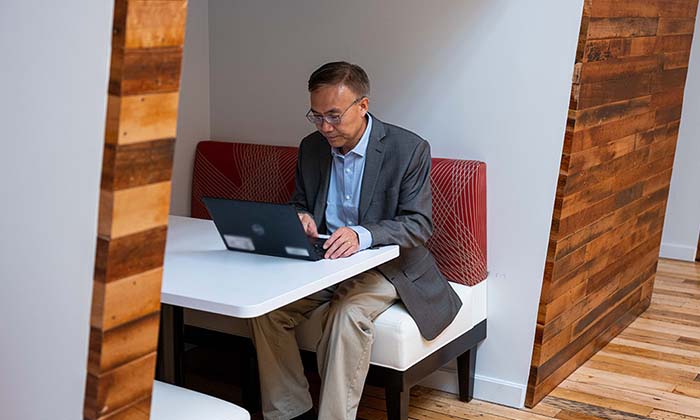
column 343, row 350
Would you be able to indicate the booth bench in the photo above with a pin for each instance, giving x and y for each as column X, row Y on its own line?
column 401, row 357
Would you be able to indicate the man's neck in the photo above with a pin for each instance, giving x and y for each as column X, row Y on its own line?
column 344, row 151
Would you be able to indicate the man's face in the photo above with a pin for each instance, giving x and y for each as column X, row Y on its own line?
column 334, row 100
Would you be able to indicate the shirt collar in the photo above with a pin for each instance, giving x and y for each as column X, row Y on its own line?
column 361, row 147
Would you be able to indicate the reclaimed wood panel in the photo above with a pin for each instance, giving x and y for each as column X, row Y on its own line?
column 119, row 387
column 143, row 24
column 118, row 346
column 133, row 210
column 625, row 110
column 129, row 255
column 671, row 26
column 127, row 299
column 153, row 70
column 134, row 165
column 604, row 49
column 137, row 118
column 138, row 411
column 140, row 126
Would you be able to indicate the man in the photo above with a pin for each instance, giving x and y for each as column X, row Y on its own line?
column 366, row 183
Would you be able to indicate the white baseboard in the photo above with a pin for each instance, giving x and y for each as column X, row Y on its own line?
column 677, row 252
column 485, row 388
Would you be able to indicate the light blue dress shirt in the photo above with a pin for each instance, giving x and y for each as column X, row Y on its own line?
column 344, row 188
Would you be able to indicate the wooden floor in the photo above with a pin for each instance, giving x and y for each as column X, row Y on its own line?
column 651, row 370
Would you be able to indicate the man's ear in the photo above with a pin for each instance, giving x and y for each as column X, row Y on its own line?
column 364, row 105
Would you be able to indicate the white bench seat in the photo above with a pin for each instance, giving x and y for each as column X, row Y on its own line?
column 170, row 402
column 398, row 344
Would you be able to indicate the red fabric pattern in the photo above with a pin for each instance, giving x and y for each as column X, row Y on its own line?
column 266, row 173
column 459, row 219
column 242, row 171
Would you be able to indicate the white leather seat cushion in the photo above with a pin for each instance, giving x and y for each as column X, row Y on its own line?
column 398, row 343
column 171, row 402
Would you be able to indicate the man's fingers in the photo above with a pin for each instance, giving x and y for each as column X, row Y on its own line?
column 333, row 243
column 331, row 240
column 345, row 250
column 338, row 250
column 311, row 229
column 342, row 243
column 331, row 248
column 308, row 224
column 342, row 246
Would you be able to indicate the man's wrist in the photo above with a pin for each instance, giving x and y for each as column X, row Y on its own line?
column 364, row 237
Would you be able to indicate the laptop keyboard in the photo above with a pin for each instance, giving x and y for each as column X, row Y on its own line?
column 317, row 245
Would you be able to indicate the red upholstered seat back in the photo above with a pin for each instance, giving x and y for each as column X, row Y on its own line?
column 266, row 173
column 242, row 171
column 459, row 219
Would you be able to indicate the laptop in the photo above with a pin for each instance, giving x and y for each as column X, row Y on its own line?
column 263, row 228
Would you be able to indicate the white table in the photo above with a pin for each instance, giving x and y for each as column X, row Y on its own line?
column 200, row 273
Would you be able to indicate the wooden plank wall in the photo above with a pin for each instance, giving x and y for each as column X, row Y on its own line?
column 619, row 146
column 147, row 43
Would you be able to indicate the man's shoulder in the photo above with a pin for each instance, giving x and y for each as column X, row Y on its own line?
column 397, row 136
column 312, row 141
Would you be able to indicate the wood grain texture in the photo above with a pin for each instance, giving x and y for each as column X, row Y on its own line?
column 129, row 255
column 115, row 347
column 625, row 109
column 140, row 129
column 132, row 210
column 119, row 387
column 133, row 165
column 152, row 70
column 126, row 299
column 137, row 411
column 140, row 24
column 137, row 118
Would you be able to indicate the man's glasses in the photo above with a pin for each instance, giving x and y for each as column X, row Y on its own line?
column 334, row 120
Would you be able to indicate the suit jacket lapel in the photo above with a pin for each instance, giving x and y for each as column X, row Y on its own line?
column 373, row 165
column 324, row 160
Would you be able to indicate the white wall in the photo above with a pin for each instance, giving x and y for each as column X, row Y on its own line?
column 193, row 113
column 682, row 223
column 55, row 63
column 480, row 79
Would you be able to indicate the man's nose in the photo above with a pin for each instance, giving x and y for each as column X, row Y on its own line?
column 326, row 127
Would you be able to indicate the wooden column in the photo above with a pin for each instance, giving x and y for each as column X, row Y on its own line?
column 147, row 42
column 613, row 185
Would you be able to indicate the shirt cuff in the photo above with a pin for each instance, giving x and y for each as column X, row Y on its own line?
column 364, row 235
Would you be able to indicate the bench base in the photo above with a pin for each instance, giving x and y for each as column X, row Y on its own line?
column 397, row 384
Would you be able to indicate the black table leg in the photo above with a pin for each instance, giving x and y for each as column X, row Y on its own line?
column 171, row 345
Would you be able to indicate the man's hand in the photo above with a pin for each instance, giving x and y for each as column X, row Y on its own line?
column 309, row 225
column 343, row 243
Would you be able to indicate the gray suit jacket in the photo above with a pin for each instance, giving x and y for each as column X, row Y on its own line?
column 396, row 207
